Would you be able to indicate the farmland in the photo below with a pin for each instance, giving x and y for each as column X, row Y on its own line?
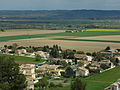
column 22, row 59
column 86, row 41
column 103, row 30
column 77, row 34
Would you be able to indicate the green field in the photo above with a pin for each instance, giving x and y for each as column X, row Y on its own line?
column 87, row 40
column 77, row 34
column 25, row 59
column 99, row 81
column 103, row 30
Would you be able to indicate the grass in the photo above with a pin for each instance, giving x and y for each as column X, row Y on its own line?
column 103, row 30
column 25, row 59
column 87, row 40
column 99, row 81
column 77, row 34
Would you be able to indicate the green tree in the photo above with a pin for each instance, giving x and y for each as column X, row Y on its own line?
column 77, row 84
column 69, row 72
column 10, row 77
column 42, row 84
column 104, row 66
column 80, row 52
column 108, row 48
column 37, row 57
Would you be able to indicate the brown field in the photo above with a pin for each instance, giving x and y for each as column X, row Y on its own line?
column 77, row 45
column 27, row 32
column 111, row 37
column 87, row 46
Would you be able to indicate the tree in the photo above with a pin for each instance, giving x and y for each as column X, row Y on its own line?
column 104, row 66
column 77, row 84
column 108, row 48
column 69, row 72
column 10, row 77
column 42, row 84
column 80, row 52
column 37, row 57
column 99, row 56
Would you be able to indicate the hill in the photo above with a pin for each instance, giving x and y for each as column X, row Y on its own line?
column 58, row 14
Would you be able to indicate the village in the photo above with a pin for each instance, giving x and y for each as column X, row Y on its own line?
column 60, row 63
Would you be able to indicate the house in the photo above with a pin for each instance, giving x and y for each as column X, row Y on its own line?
column 59, row 59
column 107, row 54
column 79, row 56
column 117, row 59
column 83, row 57
column 29, row 71
column 53, row 69
column 44, row 55
column 20, row 51
column 108, row 63
column 88, row 58
column 114, row 86
column 84, row 63
column 81, row 71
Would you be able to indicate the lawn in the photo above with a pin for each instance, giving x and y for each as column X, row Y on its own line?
column 25, row 59
column 77, row 34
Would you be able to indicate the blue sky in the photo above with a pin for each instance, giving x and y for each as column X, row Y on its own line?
column 59, row 4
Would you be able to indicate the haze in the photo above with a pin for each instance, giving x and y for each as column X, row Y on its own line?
column 59, row 4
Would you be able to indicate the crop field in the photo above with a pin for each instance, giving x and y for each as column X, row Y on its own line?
column 27, row 32
column 85, row 41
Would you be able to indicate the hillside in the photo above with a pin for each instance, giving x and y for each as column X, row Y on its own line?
column 58, row 14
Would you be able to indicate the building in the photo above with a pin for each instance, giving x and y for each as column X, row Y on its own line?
column 81, row 71
column 59, row 59
column 117, row 59
column 114, row 86
column 44, row 55
column 83, row 57
column 53, row 69
column 29, row 71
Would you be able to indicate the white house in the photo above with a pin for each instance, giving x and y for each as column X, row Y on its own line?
column 29, row 71
column 88, row 58
column 81, row 71
column 114, row 86
column 117, row 58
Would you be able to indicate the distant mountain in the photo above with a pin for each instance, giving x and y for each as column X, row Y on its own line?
column 61, row 14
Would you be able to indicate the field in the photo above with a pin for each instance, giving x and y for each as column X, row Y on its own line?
column 103, row 30
column 86, row 41
column 100, row 81
column 22, row 59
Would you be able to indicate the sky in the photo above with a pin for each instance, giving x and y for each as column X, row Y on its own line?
column 59, row 4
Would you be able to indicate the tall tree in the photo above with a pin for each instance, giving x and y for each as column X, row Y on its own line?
column 42, row 84
column 69, row 72
column 37, row 57
column 77, row 84
column 10, row 77
column 108, row 48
